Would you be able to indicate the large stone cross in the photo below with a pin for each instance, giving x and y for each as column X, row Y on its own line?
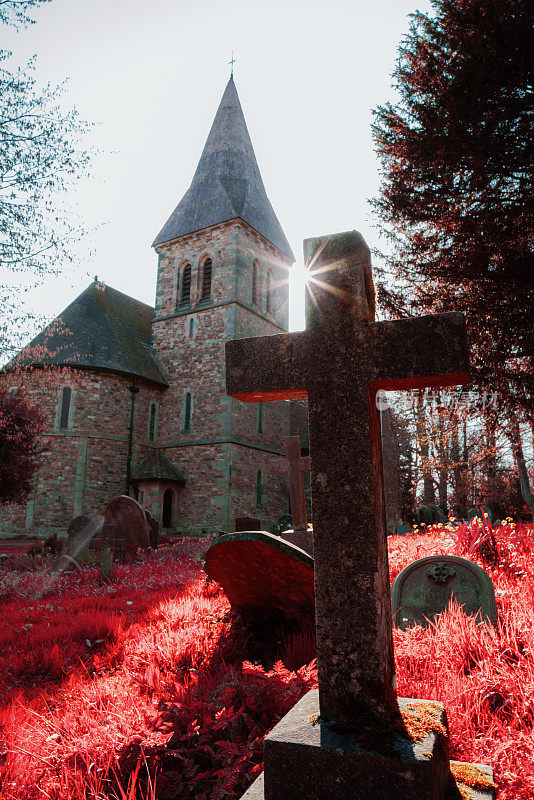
column 340, row 362
column 295, row 465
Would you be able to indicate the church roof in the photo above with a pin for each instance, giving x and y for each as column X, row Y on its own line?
column 227, row 182
column 101, row 329
column 157, row 467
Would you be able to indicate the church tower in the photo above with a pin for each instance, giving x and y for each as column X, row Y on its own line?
column 222, row 274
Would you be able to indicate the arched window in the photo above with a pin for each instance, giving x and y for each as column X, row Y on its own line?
column 153, row 422
column 260, row 417
column 259, row 489
column 205, row 288
column 64, row 412
column 185, row 295
column 191, row 327
column 269, row 305
column 256, row 282
column 187, row 412
column 166, row 517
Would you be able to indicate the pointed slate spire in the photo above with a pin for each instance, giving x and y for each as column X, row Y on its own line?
column 227, row 182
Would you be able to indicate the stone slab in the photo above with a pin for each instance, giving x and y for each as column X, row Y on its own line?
column 259, row 571
column 307, row 757
column 424, row 589
column 302, row 539
column 304, row 763
column 456, row 791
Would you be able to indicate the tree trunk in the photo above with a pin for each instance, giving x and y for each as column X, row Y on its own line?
column 514, row 434
column 424, row 449
column 443, row 465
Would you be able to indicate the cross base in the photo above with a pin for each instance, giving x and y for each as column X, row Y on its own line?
column 306, row 759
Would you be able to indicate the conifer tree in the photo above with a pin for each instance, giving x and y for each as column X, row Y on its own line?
column 457, row 193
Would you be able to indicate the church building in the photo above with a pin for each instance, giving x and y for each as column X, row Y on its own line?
column 134, row 396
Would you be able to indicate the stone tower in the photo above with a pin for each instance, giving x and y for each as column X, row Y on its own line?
column 222, row 274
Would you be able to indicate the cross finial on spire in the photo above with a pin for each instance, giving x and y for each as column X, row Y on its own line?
column 232, row 62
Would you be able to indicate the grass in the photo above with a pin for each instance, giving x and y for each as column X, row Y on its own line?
column 151, row 687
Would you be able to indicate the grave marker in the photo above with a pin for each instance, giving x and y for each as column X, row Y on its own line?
column 425, row 587
column 294, row 466
column 125, row 526
column 340, row 362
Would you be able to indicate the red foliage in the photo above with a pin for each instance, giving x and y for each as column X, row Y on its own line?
column 21, row 429
column 145, row 688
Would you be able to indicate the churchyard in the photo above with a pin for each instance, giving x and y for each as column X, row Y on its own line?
column 136, row 671
column 150, row 686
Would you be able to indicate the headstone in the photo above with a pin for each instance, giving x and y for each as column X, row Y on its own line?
column 153, row 529
column 125, row 526
column 349, row 740
column 247, row 524
column 81, row 533
column 424, row 589
column 260, row 572
column 401, row 529
column 106, row 565
column 294, row 466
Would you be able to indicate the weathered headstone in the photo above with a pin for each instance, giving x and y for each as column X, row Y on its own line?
column 81, row 533
column 153, row 529
column 402, row 529
column 424, row 589
column 106, row 565
column 349, row 740
column 125, row 526
column 247, row 524
column 294, row 466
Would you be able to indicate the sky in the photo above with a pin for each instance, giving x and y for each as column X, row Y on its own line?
column 150, row 76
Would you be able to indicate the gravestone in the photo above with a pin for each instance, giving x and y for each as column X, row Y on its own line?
column 294, row 466
column 125, row 528
column 247, row 524
column 153, row 529
column 402, row 529
column 81, row 534
column 424, row 589
column 349, row 740
column 106, row 565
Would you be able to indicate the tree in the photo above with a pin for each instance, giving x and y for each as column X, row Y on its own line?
column 39, row 155
column 457, row 195
column 21, row 445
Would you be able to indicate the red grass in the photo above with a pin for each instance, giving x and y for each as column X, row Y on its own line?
column 145, row 687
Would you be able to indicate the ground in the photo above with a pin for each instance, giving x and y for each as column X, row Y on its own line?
column 150, row 686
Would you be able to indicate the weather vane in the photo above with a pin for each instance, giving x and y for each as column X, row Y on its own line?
column 232, row 62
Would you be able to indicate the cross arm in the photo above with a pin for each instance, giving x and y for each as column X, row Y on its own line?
column 266, row 368
column 415, row 353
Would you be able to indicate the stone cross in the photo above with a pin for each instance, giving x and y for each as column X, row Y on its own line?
column 295, row 465
column 340, row 362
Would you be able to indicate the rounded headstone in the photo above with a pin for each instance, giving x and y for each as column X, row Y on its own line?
column 261, row 572
column 125, row 517
column 424, row 589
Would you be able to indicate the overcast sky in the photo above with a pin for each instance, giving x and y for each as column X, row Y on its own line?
column 151, row 74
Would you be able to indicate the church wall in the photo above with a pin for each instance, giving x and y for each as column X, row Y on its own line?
column 85, row 465
column 246, row 463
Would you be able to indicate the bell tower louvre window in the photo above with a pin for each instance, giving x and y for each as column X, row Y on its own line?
column 205, row 290
column 185, row 296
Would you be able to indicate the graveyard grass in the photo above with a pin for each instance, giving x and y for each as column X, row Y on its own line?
column 146, row 687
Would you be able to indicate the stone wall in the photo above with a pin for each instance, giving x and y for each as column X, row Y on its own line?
column 85, row 465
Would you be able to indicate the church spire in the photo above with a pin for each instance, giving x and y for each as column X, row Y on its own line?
column 227, row 182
